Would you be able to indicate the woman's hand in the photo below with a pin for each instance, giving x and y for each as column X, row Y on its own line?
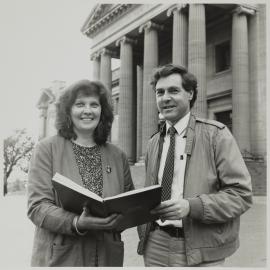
column 172, row 209
column 88, row 222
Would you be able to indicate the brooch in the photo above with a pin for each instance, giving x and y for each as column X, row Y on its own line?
column 108, row 169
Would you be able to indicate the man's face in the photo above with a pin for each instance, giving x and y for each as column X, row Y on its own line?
column 172, row 99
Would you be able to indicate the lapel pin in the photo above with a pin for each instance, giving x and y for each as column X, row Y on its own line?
column 108, row 169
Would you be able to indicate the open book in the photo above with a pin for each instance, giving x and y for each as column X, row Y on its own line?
column 134, row 205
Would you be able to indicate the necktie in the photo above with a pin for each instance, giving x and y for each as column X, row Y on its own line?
column 169, row 168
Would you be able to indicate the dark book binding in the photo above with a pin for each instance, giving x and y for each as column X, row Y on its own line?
column 135, row 206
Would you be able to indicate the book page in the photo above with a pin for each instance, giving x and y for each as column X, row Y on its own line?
column 72, row 185
column 135, row 191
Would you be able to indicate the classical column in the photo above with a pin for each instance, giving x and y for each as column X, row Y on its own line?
column 127, row 125
column 139, row 111
column 180, row 34
column 105, row 68
column 95, row 58
column 150, row 61
column 257, row 79
column 197, row 54
column 240, row 79
column 43, row 121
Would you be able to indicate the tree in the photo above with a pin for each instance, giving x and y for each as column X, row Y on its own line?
column 17, row 153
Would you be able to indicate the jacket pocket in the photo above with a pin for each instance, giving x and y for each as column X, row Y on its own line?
column 66, row 255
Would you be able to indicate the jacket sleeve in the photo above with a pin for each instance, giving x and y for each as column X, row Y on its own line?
column 234, row 194
column 42, row 208
column 127, row 175
column 141, row 229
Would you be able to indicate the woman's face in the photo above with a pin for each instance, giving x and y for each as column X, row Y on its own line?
column 85, row 114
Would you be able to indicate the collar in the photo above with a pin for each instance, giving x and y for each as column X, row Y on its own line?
column 189, row 133
column 181, row 125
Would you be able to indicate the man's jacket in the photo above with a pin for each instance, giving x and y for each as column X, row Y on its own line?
column 217, row 185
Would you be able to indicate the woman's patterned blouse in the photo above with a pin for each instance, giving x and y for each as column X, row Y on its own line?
column 88, row 160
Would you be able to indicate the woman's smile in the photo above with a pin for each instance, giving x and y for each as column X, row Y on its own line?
column 85, row 113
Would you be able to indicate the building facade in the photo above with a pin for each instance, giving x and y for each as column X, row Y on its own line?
column 224, row 45
column 46, row 105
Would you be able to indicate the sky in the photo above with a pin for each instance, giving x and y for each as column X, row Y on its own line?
column 41, row 42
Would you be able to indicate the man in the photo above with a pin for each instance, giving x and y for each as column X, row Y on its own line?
column 206, row 185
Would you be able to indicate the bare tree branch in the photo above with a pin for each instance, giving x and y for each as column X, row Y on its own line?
column 17, row 151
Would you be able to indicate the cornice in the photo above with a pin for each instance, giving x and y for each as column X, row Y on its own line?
column 150, row 25
column 106, row 51
column 94, row 56
column 219, row 94
column 176, row 8
column 112, row 15
column 125, row 39
column 244, row 9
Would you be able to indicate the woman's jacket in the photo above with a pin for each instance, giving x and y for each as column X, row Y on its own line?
column 55, row 243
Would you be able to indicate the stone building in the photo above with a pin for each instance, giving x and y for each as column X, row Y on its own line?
column 46, row 105
column 224, row 45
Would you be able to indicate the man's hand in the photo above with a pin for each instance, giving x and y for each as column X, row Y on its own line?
column 172, row 209
column 88, row 222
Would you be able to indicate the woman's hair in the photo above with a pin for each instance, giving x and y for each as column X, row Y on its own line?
column 189, row 81
column 63, row 123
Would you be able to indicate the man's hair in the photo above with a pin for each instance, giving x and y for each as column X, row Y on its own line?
column 189, row 81
column 63, row 121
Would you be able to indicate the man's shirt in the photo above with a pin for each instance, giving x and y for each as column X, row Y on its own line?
column 179, row 163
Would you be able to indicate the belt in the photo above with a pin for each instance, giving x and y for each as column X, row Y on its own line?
column 171, row 230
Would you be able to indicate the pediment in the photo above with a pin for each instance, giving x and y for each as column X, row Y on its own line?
column 97, row 13
column 101, row 15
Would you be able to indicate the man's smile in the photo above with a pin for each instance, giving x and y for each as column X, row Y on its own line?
column 167, row 107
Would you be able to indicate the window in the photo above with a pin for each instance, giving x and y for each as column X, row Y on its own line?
column 223, row 56
column 225, row 117
column 116, row 104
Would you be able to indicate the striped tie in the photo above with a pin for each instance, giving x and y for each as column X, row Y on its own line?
column 167, row 177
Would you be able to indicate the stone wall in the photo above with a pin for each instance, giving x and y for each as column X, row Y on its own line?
column 257, row 171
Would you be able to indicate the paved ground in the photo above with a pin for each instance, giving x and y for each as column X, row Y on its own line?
column 16, row 236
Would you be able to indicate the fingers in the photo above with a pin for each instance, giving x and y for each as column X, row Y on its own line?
column 109, row 222
column 165, row 204
column 171, row 210
column 104, row 221
column 171, row 216
column 113, row 224
column 99, row 220
column 164, row 207
column 109, row 219
column 99, row 223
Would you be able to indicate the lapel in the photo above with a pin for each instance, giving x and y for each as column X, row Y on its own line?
column 105, row 165
column 69, row 165
column 160, row 141
column 69, row 168
column 190, row 135
column 112, row 177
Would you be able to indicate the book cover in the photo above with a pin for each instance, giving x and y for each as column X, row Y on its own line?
column 134, row 205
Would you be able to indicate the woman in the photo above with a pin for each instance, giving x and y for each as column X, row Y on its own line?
column 80, row 152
